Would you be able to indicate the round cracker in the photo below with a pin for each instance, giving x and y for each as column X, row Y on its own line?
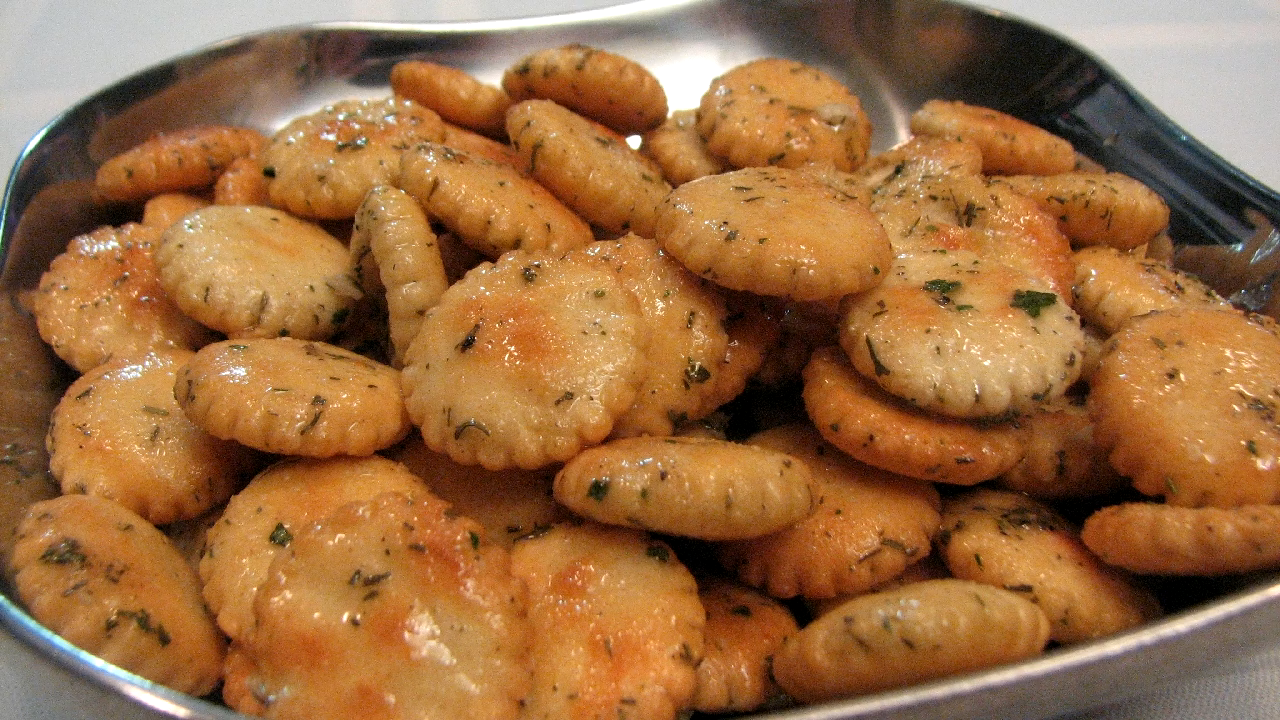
column 692, row 487
column 613, row 90
column 855, row 415
column 867, row 526
column 254, row 271
column 774, row 111
column 1184, row 401
column 119, row 433
column 774, row 231
column 293, row 397
column 964, row 335
column 526, row 361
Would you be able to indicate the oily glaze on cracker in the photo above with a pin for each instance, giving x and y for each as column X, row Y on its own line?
column 526, row 361
column 774, row 231
column 118, row 433
column 293, row 397
column 1184, row 402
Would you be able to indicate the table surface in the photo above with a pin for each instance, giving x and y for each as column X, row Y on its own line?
column 1213, row 66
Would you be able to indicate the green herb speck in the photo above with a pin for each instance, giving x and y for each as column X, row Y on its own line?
column 1032, row 301
column 280, row 535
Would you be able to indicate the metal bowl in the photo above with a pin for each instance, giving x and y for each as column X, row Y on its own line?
column 894, row 53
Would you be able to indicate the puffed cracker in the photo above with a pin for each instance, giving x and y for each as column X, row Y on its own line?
column 589, row 167
column 184, row 160
column 1184, row 402
column 1010, row 146
column 691, row 487
column 774, row 111
column 490, row 205
column 616, row 620
column 926, row 208
column 690, row 337
column 964, row 335
column 1113, row 286
column 678, row 148
column 110, row 583
column 918, row 157
column 1159, row 539
column 456, row 95
column 403, row 249
column 526, row 361
column 104, row 297
column 261, row 520
column 744, row 629
column 242, row 183
column 867, row 526
column 320, row 165
column 253, row 271
column 774, row 231
column 855, row 415
column 915, row 633
column 613, row 90
column 1110, row 208
column 119, row 433
column 1008, row 540
column 165, row 209
column 1061, row 460
column 293, row 397
column 393, row 607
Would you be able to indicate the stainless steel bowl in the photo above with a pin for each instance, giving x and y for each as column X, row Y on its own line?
column 894, row 53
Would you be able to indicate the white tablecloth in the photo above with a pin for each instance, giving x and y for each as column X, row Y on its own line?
column 1212, row 65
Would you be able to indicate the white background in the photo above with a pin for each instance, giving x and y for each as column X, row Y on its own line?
column 1212, row 65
